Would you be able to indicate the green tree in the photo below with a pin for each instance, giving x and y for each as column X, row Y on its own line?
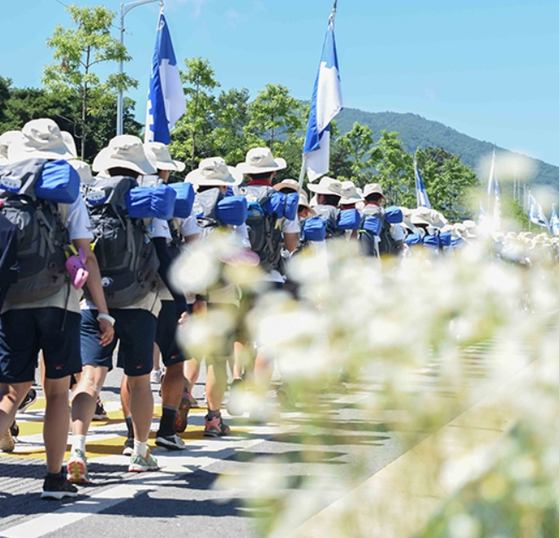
column 513, row 210
column 229, row 138
column 191, row 133
column 449, row 182
column 275, row 115
column 358, row 147
column 394, row 170
column 77, row 52
column 24, row 104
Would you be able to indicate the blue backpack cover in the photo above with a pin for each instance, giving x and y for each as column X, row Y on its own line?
column 291, row 206
column 372, row 225
column 393, row 215
column 349, row 219
column 232, row 210
column 413, row 240
column 457, row 242
column 275, row 206
column 151, row 202
column 314, row 229
column 445, row 239
column 431, row 241
column 184, row 200
column 59, row 183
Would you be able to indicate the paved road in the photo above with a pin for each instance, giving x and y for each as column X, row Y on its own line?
column 181, row 497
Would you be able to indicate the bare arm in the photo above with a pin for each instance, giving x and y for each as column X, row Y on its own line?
column 291, row 241
column 96, row 289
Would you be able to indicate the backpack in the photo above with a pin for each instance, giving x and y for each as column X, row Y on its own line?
column 265, row 235
column 42, row 237
column 126, row 257
column 330, row 215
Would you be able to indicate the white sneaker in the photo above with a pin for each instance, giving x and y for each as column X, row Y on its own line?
column 155, row 377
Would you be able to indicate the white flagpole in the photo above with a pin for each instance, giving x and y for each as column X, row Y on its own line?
column 304, row 162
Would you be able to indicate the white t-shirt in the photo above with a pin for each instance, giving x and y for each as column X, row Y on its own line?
column 78, row 225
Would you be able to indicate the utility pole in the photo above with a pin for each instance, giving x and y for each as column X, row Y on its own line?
column 124, row 10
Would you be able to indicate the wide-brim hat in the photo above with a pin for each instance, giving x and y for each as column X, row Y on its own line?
column 124, row 151
column 261, row 161
column 350, row 194
column 421, row 215
column 327, row 186
column 5, row 141
column 158, row 155
column 291, row 184
column 304, row 201
column 214, row 172
column 372, row 188
column 83, row 169
column 40, row 139
column 70, row 144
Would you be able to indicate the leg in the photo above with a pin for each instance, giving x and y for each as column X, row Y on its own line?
column 55, row 429
column 11, row 396
column 192, row 372
column 141, row 406
column 85, row 397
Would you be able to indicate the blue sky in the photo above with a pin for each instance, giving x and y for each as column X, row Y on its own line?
column 487, row 68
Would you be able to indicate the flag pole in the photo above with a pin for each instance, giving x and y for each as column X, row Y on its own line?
column 304, row 161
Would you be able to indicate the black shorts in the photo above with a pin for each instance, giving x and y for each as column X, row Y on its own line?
column 23, row 333
column 166, row 335
column 135, row 333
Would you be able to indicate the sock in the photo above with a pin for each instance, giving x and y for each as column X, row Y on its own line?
column 78, row 442
column 167, row 423
column 213, row 414
column 56, row 475
column 129, row 426
column 141, row 448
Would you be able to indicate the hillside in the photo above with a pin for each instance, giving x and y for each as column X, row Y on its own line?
column 416, row 131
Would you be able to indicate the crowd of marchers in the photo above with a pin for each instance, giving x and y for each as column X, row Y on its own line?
column 85, row 274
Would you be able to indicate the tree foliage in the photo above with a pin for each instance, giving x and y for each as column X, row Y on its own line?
column 77, row 52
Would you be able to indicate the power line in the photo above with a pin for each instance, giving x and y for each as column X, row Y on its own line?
column 61, row 3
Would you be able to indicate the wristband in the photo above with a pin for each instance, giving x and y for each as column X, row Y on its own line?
column 106, row 317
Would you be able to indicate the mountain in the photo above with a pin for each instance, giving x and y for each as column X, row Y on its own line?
column 416, row 131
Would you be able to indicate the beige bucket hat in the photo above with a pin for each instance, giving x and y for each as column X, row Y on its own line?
column 83, row 170
column 350, row 194
column 214, row 172
column 304, row 201
column 287, row 184
column 70, row 144
column 126, row 151
column 372, row 188
column 158, row 155
column 327, row 185
column 261, row 161
column 5, row 141
column 40, row 139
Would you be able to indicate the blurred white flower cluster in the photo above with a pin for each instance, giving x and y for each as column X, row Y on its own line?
column 400, row 339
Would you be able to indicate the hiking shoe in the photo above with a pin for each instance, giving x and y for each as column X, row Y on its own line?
column 30, row 399
column 57, row 487
column 14, row 430
column 170, row 442
column 7, row 443
column 139, row 464
column 235, row 402
column 155, row 377
column 194, row 404
column 100, row 413
column 128, row 449
column 181, row 422
column 215, row 427
column 77, row 468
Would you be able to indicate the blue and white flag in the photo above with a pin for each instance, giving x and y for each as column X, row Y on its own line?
column 325, row 104
column 420, row 192
column 554, row 222
column 166, row 101
column 536, row 214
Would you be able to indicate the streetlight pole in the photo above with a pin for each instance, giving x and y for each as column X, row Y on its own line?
column 124, row 9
